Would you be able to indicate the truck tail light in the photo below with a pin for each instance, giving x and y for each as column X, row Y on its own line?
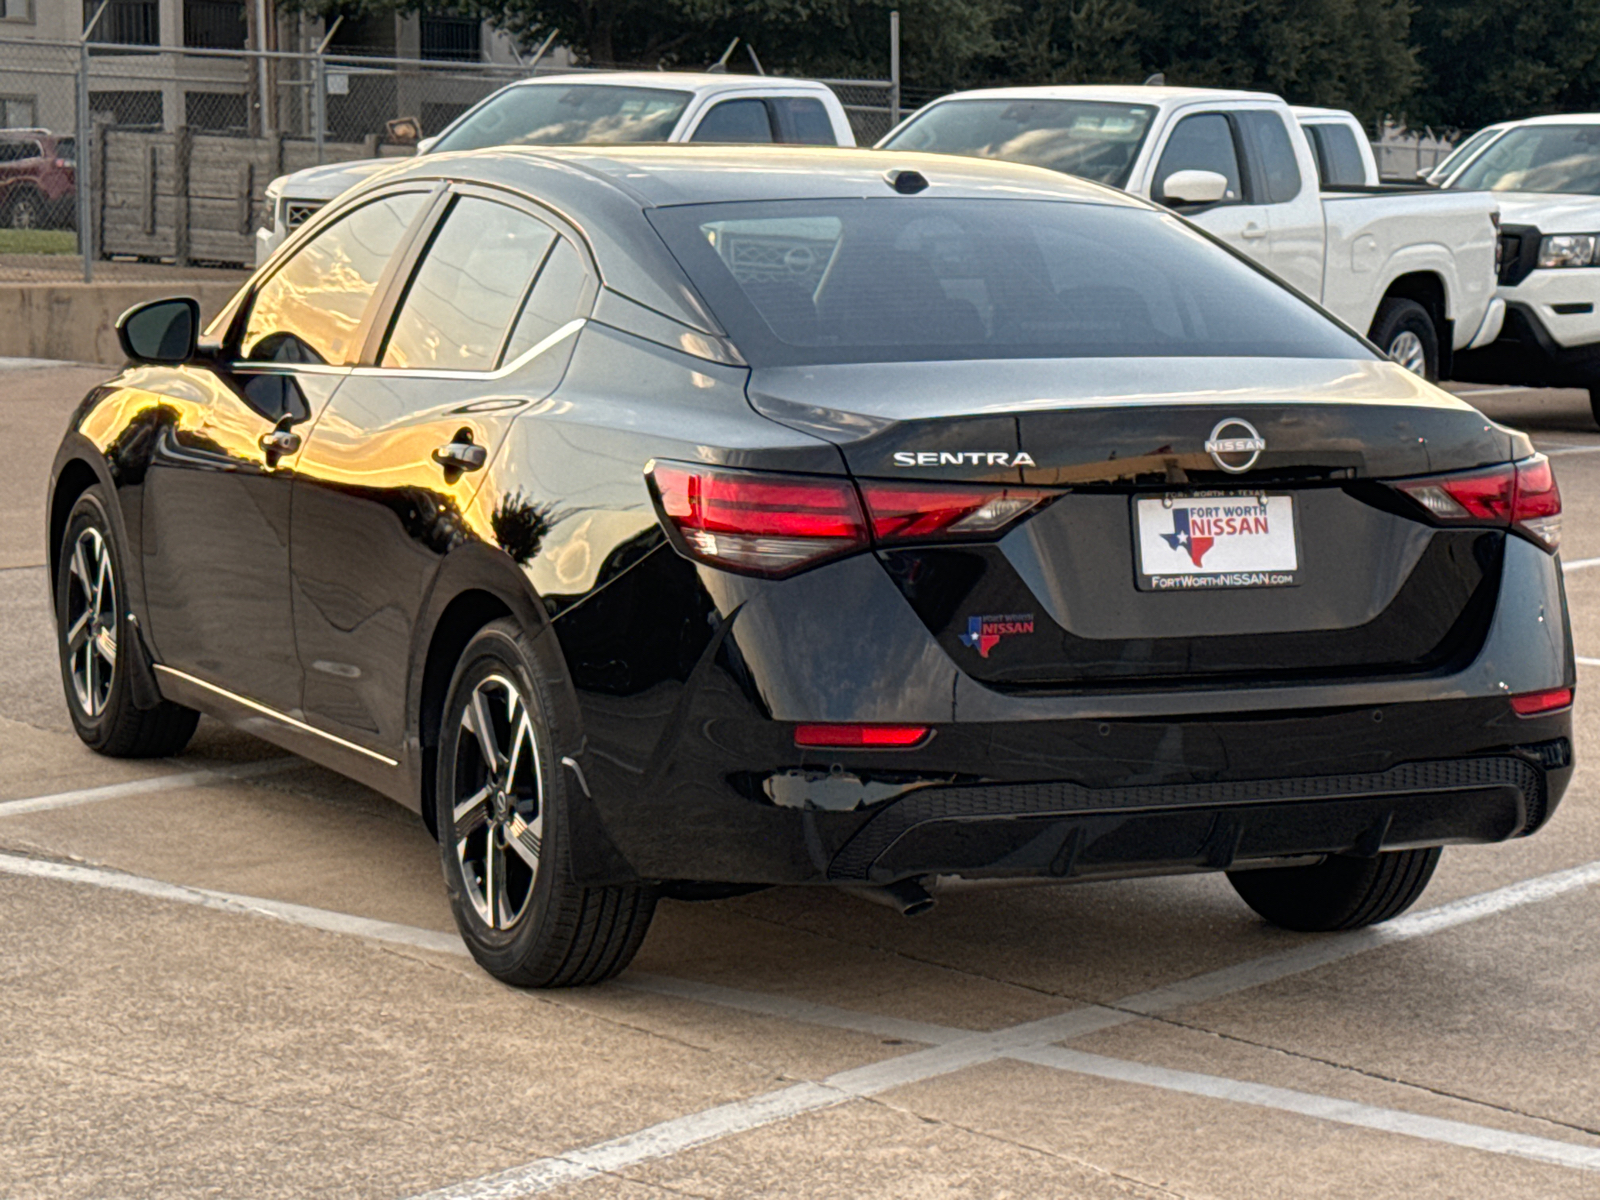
column 1522, row 496
column 1533, row 704
column 764, row 523
column 883, row 737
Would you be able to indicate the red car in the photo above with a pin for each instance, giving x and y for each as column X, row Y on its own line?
column 38, row 179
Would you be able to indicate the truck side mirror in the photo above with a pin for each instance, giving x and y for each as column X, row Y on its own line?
column 162, row 332
column 1194, row 187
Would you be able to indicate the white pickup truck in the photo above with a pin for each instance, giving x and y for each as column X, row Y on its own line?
column 619, row 106
column 1414, row 269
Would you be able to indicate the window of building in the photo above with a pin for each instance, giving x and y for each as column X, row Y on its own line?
column 18, row 112
column 455, row 39
column 126, row 22
column 217, row 112
column 16, row 10
column 128, row 110
column 215, row 24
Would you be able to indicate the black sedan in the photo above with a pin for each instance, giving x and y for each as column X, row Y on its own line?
column 681, row 521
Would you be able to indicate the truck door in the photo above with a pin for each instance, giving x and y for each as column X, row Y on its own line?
column 1207, row 142
column 1284, row 181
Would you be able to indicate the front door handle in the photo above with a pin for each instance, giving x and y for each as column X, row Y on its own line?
column 461, row 456
column 280, row 442
column 1253, row 231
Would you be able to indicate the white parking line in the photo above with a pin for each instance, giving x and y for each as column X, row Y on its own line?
column 1554, row 451
column 1580, row 564
column 1325, row 1108
column 1587, row 662
column 952, row 1049
column 156, row 783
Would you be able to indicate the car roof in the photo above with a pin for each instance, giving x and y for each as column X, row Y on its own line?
column 660, row 175
column 1306, row 112
column 1559, row 119
column 1112, row 93
column 680, row 81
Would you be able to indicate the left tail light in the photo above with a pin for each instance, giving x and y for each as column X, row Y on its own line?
column 1522, row 496
column 764, row 523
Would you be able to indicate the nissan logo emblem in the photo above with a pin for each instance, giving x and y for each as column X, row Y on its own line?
column 1234, row 445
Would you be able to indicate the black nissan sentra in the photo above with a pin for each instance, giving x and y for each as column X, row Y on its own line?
column 672, row 522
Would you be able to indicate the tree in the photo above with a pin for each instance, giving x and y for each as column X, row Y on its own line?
column 1486, row 61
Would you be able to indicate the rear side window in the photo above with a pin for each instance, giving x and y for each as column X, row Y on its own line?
column 461, row 300
column 809, row 282
column 310, row 310
column 1274, row 154
column 1200, row 143
column 742, row 121
column 803, row 121
column 557, row 297
column 1339, row 161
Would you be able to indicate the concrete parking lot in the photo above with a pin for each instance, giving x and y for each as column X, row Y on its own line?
column 235, row 974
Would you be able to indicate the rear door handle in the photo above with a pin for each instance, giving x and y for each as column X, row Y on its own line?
column 461, row 456
column 280, row 442
column 1253, row 231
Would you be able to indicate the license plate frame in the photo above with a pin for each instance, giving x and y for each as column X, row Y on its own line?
column 1246, row 543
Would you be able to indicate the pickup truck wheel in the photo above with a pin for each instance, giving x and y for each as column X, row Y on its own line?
column 1404, row 331
column 1340, row 892
column 26, row 212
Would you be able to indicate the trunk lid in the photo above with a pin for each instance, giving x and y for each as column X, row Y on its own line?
column 1063, row 602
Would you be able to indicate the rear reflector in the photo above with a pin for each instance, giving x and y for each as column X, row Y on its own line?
column 1531, row 704
column 763, row 523
column 1521, row 496
column 844, row 736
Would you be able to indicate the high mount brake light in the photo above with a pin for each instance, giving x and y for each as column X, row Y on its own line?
column 764, row 523
column 1522, row 496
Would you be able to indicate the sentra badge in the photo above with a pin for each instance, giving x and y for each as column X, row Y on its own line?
column 963, row 458
column 984, row 633
column 1234, row 445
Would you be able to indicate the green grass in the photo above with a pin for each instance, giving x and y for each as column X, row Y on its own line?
column 38, row 241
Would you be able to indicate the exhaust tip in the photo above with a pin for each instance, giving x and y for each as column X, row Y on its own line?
column 906, row 896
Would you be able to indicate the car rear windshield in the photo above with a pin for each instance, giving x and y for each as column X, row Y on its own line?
column 1087, row 138
column 1538, row 158
column 548, row 114
column 916, row 279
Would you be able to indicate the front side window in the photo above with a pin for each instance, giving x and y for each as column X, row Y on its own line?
column 803, row 282
column 461, row 300
column 1090, row 139
column 1339, row 161
column 1200, row 143
column 742, row 121
column 310, row 309
column 1538, row 158
column 547, row 114
column 1280, row 169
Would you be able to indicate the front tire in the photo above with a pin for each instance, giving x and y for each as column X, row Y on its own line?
column 1340, row 892
column 26, row 212
column 504, row 834
column 1404, row 331
column 96, row 641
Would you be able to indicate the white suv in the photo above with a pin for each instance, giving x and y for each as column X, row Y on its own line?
column 622, row 106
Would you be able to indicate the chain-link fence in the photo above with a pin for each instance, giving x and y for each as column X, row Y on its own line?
column 163, row 155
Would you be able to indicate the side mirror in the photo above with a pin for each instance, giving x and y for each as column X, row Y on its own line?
column 426, row 144
column 163, row 332
column 1194, row 187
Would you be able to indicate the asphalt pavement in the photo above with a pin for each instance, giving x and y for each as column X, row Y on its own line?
column 235, row 974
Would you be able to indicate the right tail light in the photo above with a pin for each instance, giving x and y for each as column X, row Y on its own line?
column 1521, row 496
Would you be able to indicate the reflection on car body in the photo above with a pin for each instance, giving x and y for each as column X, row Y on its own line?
column 657, row 523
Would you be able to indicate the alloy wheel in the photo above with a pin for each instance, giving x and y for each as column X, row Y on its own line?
column 91, row 622
column 497, row 808
column 1406, row 349
column 25, row 213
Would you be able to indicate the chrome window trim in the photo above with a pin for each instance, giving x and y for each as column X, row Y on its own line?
column 274, row 714
column 510, row 368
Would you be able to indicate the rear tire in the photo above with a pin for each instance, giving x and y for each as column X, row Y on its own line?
column 26, row 211
column 98, row 643
column 1404, row 331
column 1340, row 892
column 504, row 833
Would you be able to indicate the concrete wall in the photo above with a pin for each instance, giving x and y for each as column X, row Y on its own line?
column 76, row 321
